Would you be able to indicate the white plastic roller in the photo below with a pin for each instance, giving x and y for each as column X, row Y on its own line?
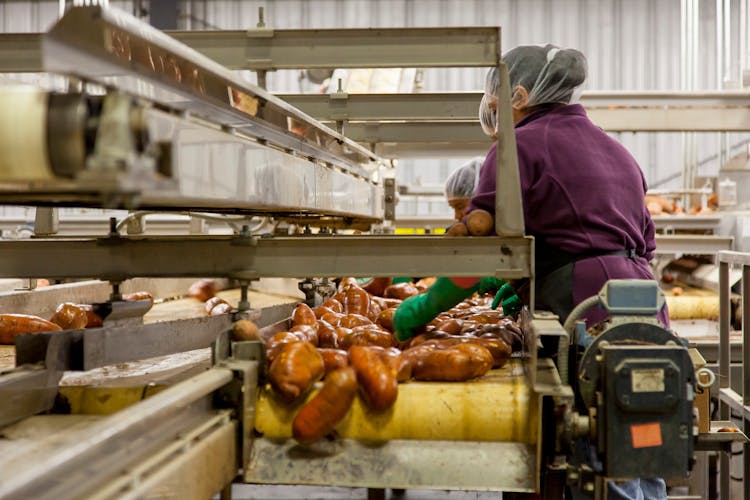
column 23, row 134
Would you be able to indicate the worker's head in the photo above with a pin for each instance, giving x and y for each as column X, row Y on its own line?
column 538, row 76
column 461, row 185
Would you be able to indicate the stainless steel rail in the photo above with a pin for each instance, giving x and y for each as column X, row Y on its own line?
column 104, row 439
column 427, row 113
column 249, row 258
column 110, row 47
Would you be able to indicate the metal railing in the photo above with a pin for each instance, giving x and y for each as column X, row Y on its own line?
column 732, row 404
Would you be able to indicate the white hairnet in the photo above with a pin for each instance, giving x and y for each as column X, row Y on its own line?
column 549, row 74
column 462, row 182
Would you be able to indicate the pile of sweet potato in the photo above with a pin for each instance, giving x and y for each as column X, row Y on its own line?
column 68, row 316
column 349, row 343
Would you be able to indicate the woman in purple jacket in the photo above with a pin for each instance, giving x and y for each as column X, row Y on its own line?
column 583, row 201
column 583, row 193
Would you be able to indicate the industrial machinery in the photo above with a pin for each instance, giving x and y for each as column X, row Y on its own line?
column 148, row 123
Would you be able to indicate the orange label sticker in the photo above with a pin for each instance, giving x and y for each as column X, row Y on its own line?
column 646, row 435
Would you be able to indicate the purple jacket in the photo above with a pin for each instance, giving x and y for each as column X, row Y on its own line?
column 582, row 193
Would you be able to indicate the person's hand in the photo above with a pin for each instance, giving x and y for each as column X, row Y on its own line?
column 506, row 296
column 419, row 310
column 411, row 315
column 489, row 283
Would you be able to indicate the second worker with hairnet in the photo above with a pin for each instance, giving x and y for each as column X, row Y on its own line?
column 583, row 201
column 461, row 186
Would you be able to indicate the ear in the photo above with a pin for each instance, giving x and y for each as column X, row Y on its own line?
column 492, row 103
column 519, row 98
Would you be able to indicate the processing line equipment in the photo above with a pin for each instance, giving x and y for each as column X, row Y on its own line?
column 147, row 123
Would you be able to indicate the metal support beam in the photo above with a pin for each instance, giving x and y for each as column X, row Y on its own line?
column 27, row 391
column 396, row 463
column 613, row 111
column 116, row 259
column 265, row 49
column 693, row 244
column 96, row 347
column 64, row 466
column 108, row 46
column 20, row 53
column 508, row 205
column 705, row 222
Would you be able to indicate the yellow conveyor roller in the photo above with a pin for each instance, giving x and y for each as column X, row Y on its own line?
column 497, row 407
column 693, row 307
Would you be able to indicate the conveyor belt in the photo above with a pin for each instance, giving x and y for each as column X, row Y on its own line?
column 496, row 407
column 129, row 373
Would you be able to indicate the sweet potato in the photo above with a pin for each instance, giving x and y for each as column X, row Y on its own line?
column 93, row 320
column 321, row 311
column 341, row 333
column 221, row 308
column 457, row 230
column 69, row 316
column 333, row 359
column 377, row 286
column 346, row 283
column 654, row 208
column 295, row 369
column 245, row 329
column 303, row 315
column 354, row 320
column 17, row 324
column 401, row 291
column 378, row 383
column 202, row 289
column 425, row 283
column 132, row 297
column 498, row 348
column 370, row 336
column 453, row 364
column 451, row 326
column 213, row 302
column 329, row 406
column 356, row 301
column 334, row 305
column 332, row 318
column 375, row 309
column 389, row 303
column 480, row 223
column 327, row 336
column 398, row 364
column 308, row 333
column 503, row 331
column 486, row 317
column 385, row 319
column 275, row 343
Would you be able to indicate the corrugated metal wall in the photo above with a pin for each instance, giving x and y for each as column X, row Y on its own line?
column 630, row 45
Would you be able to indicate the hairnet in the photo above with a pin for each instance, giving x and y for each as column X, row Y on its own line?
column 462, row 182
column 549, row 74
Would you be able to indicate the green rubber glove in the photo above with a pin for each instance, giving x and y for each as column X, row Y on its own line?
column 510, row 301
column 421, row 309
column 504, row 292
column 401, row 279
column 488, row 283
column 512, row 305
